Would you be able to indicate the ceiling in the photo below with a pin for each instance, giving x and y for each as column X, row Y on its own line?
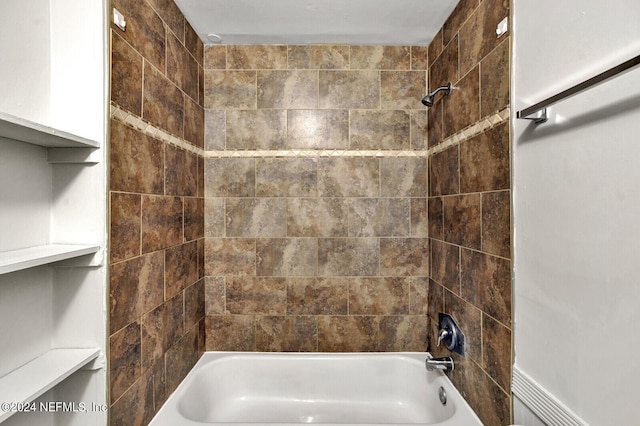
column 356, row 22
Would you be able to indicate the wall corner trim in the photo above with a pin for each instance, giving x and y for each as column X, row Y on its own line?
column 541, row 402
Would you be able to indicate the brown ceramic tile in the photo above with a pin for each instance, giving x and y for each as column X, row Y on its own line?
column 160, row 329
column 256, row 295
column 404, row 257
column 194, row 303
column 136, row 161
column 419, row 58
column 230, row 177
column 286, row 334
column 445, row 265
column 161, row 222
column 419, row 129
column 215, row 129
column 494, row 80
column 181, row 268
column 171, row 15
column 496, row 351
column 348, row 333
column 419, row 295
column 182, row 68
column 201, row 257
column 348, row 257
column 288, row 89
column 317, row 217
column 436, row 46
column 214, row 219
column 193, row 122
column 215, row 291
column 435, row 123
column 125, row 229
column 462, row 220
column 348, row 177
column 251, row 57
column 319, row 57
column 459, row 16
column 193, row 43
column 445, row 68
column 180, row 172
column 444, row 172
column 202, row 329
column 215, row 57
column 193, row 218
column 229, row 89
column 181, row 357
column 124, row 356
column 200, row 162
column 256, row 129
column 317, row 296
column 230, row 256
column 126, row 75
column 163, row 102
column 484, row 161
column 145, row 30
column 380, row 57
column 201, row 87
column 462, row 107
column 496, row 223
column 436, row 218
column 379, row 217
column 349, row 89
column 135, row 287
column 486, row 282
column 402, row 89
column 419, row 218
column 379, row 129
column 379, row 296
column 401, row 333
column 286, row 257
column 157, row 378
column 230, row 333
column 136, row 406
column 256, row 217
column 403, row 177
column 318, row 129
column 468, row 318
column 478, row 34
column 436, row 300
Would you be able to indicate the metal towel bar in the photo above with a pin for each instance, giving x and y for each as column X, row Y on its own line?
column 538, row 112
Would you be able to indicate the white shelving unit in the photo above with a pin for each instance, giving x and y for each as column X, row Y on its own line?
column 16, row 260
column 19, row 129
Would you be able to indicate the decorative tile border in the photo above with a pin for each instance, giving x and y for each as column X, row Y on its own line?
column 148, row 129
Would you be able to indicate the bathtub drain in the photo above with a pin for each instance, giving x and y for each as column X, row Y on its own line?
column 443, row 395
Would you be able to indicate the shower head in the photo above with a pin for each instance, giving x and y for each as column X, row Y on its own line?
column 430, row 98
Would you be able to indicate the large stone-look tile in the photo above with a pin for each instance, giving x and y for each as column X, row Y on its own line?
column 193, row 122
column 181, row 357
column 348, row 257
column 256, row 295
column 402, row 89
column 494, row 80
column 349, row 89
column 436, row 46
column 380, row 57
column 136, row 406
column 400, row 333
column 136, row 161
column 200, row 162
column 445, row 265
column 379, row 296
column 484, row 161
column 256, row 129
column 214, row 217
column 256, row 217
column 317, row 296
column 194, row 218
column 181, row 170
column 496, row 223
column 457, row 18
column 290, row 89
column 182, row 68
column 215, row 57
column 230, row 89
column 404, row 257
column 346, row 333
column 403, row 177
column 436, row 301
column 193, row 43
column 318, row 129
column 468, row 318
column 318, row 57
column 444, row 172
column 286, row 257
column 163, row 102
column 135, row 287
column 253, row 57
column 230, row 256
column 125, row 362
column 160, row 329
column 215, row 129
column 181, row 268
column 462, row 220
column 230, row 333
column 436, row 218
column 125, row 229
column 317, row 217
column 230, row 177
column 419, row 295
column 286, row 177
column 286, row 334
column 486, row 282
column 171, row 15
column 435, row 124
column 419, row 217
column 348, row 177
column 126, row 75
column 444, row 69
column 419, row 129
column 194, row 304
column 379, row 129
column 215, row 296
column 419, row 58
column 496, row 351
column 379, row 217
column 162, row 222
column 462, row 107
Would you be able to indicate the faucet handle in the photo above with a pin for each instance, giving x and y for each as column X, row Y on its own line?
column 442, row 334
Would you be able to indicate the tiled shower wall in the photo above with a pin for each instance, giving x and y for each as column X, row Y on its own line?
column 309, row 251
column 469, row 202
column 156, row 283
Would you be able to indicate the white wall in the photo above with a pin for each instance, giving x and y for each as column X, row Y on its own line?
column 576, row 189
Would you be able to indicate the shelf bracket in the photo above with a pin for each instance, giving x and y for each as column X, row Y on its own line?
column 73, row 156
column 537, row 117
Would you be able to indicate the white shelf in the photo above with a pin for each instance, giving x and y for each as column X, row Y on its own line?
column 19, row 129
column 16, row 260
column 40, row 375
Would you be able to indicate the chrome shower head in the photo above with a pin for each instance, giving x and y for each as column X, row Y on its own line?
column 430, row 98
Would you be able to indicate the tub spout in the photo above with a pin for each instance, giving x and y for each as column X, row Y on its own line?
column 444, row 363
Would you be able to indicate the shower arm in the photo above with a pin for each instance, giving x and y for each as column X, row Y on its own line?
column 429, row 100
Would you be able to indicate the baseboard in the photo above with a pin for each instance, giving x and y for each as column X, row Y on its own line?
column 542, row 403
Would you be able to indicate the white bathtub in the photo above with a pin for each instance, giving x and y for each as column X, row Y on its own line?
column 245, row 388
